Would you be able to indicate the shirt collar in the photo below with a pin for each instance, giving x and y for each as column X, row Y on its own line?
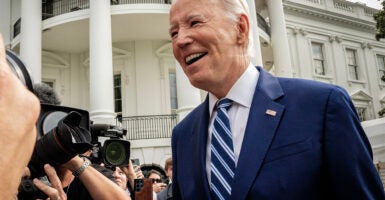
column 242, row 91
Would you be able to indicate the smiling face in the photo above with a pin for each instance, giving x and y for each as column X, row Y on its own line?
column 210, row 47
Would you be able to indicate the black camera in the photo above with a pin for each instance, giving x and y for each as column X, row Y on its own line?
column 115, row 151
column 64, row 132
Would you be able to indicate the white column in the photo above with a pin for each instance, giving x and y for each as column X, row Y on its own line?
column 6, row 24
column 101, row 71
column 188, row 96
column 280, row 44
column 30, row 37
column 256, row 57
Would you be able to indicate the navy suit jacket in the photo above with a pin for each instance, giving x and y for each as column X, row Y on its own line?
column 313, row 148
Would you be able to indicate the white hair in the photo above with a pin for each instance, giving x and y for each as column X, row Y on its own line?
column 234, row 8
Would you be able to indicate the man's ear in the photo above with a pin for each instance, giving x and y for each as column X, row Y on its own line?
column 243, row 29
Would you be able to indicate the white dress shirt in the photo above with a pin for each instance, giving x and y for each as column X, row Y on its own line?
column 241, row 94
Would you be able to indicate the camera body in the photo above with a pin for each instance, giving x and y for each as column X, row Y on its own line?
column 57, row 145
column 115, row 151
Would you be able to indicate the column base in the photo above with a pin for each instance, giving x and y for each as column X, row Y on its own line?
column 103, row 117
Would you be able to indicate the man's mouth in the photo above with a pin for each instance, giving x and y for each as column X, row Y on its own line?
column 194, row 57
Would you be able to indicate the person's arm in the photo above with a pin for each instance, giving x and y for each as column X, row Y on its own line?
column 99, row 186
column 130, row 173
column 19, row 110
column 348, row 155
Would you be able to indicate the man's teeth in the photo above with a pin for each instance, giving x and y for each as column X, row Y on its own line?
column 192, row 57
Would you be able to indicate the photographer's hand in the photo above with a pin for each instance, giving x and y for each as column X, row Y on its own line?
column 55, row 191
column 19, row 109
column 98, row 185
column 132, row 173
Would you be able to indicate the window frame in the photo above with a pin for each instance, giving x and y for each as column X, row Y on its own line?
column 380, row 72
column 169, row 72
column 121, row 94
column 322, row 59
column 355, row 65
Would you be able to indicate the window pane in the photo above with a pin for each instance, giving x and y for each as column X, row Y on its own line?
column 318, row 58
column 118, row 93
column 361, row 113
column 173, row 91
column 380, row 61
column 319, row 67
column 351, row 55
column 352, row 64
column 353, row 72
column 381, row 66
column 317, row 50
column 49, row 83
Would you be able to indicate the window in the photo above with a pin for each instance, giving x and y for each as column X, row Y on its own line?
column 351, row 56
column 381, row 67
column 118, row 93
column 318, row 58
column 49, row 83
column 173, row 91
column 361, row 113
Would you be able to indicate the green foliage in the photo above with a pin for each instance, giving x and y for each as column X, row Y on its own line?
column 380, row 19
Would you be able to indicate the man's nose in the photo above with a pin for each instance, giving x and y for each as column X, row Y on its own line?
column 184, row 38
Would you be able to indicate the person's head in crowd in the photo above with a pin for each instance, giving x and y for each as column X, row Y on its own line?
column 211, row 45
column 120, row 178
column 168, row 167
column 46, row 94
column 156, row 177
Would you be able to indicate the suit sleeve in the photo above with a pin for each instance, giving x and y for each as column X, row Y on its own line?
column 348, row 155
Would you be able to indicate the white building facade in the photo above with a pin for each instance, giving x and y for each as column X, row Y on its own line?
column 114, row 58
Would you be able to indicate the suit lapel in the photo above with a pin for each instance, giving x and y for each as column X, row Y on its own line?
column 200, row 133
column 260, row 130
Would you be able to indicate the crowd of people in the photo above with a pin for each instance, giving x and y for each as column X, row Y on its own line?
column 256, row 136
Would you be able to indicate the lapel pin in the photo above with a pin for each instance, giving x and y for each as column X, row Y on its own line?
column 271, row 112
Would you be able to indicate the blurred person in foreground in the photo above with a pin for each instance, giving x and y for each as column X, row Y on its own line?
column 257, row 136
column 18, row 131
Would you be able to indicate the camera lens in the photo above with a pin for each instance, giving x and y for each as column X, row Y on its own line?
column 51, row 120
column 19, row 69
column 115, row 153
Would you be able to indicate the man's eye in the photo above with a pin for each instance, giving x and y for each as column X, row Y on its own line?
column 173, row 34
column 193, row 23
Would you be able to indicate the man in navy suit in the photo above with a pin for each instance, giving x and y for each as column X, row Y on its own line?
column 292, row 138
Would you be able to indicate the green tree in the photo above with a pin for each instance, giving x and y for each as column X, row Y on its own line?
column 380, row 19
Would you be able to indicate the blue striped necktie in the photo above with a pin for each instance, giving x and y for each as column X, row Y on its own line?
column 222, row 153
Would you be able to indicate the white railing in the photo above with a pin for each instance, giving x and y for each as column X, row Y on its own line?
column 343, row 6
column 369, row 12
column 320, row 2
